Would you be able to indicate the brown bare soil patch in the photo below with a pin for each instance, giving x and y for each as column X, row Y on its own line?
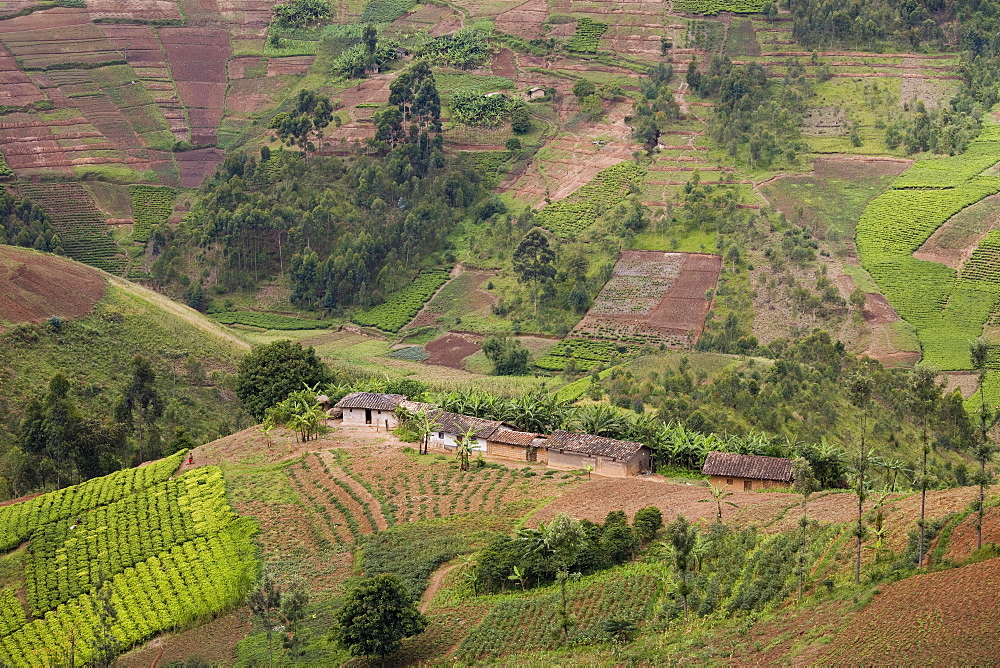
column 450, row 349
column 525, row 20
column 194, row 166
column 197, row 58
column 36, row 286
column 953, row 243
column 134, row 9
column 214, row 641
column 944, row 618
column 965, row 381
column 856, row 167
column 16, row 88
column 656, row 296
column 504, row 65
column 878, row 309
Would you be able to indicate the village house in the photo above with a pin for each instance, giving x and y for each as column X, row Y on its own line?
column 569, row 451
column 368, row 408
column 747, row 472
column 452, row 427
column 535, row 92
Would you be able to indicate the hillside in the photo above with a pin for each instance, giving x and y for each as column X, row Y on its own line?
column 35, row 287
column 159, row 551
column 99, row 324
column 358, row 503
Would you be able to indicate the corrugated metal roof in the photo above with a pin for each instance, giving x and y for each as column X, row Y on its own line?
column 376, row 402
column 511, row 437
column 590, row 444
column 755, row 467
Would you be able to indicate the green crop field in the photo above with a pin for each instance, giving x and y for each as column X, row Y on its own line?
column 947, row 311
column 170, row 549
column 577, row 212
column 585, row 353
column 151, row 206
column 587, row 36
column 402, row 306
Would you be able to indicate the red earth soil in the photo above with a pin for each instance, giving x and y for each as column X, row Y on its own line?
column 34, row 287
column 214, row 641
column 197, row 58
column 194, row 166
column 449, row 350
column 878, row 309
column 951, row 616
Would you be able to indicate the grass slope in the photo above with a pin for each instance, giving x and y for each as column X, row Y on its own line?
column 194, row 359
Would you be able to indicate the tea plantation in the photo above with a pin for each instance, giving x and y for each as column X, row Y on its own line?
column 170, row 551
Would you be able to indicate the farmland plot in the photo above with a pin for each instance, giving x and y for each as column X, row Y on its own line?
column 653, row 297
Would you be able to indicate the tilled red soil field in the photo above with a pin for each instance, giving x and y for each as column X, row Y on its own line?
column 197, row 59
column 951, row 616
column 450, row 349
column 194, row 166
column 33, row 287
column 670, row 316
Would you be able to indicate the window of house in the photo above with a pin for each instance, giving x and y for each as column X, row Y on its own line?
column 729, row 481
column 747, row 485
column 440, row 434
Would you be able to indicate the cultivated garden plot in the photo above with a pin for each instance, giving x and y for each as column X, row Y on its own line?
column 170, row 549
column 653, row 297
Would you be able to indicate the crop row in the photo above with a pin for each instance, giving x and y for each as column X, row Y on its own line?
column 151, row 206
column 12, row 615
column 399, row 309
column 267, row 320
column 715, row 6
column 518, row 623
column 984, row 263
column 19, row 520
column 952, row 171
column 69, row 557
column 577, row 212
column 5, row 171
column 189, row 582
column 587, row 36
column 586, row 353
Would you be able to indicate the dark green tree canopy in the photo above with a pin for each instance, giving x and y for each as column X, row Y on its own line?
column 376, row 617
column 269, row 373
column 508, row 355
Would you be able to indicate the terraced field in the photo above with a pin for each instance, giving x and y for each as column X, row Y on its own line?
column 82, row 229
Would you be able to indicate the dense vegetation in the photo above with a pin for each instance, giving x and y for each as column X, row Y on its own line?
column 345, row 232
column 25, row 224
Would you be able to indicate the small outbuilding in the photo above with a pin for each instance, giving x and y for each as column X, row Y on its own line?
column 519, row 446
column 747, row 472
column 369, row 408
column 569, row 451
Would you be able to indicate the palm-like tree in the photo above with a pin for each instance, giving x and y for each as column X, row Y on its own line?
column 465, row 442
column 924, row 392
column 979, row 351
column 719, row 496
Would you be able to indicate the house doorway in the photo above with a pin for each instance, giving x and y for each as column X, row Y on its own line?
column 748, row 485
column 368, row 416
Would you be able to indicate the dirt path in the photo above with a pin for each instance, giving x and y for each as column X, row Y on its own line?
column 185, row 313
column 435, row 584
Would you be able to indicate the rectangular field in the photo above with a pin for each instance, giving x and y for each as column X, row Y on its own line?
column 653, row 297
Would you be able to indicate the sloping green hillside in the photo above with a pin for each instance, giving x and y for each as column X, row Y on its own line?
column 118, row 559
column 192, row 358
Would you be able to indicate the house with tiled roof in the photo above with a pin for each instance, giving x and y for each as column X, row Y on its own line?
column 747, row 472
column 569, row 451
column 370, row 408
column 452, row 428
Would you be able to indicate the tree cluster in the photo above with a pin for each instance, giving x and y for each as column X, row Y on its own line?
column 312, row 113
column 528, row 559
column 656, row 107
column 758, row 122
column 23, row 223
